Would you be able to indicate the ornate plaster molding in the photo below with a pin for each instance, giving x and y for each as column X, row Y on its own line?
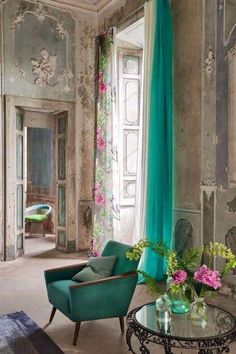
column 209, row 63
column 44, row 67
column 231, row 53
column 90, row 5
column 220, row 5
column 209, row 188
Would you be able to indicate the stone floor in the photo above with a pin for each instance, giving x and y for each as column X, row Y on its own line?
column 22, row 288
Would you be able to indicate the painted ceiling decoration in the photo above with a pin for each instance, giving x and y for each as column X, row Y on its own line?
column 91, row 5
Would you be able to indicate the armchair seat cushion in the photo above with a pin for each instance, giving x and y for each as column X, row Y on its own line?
column 58, row 294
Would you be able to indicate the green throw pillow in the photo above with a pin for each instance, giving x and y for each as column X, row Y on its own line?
column 97, row 268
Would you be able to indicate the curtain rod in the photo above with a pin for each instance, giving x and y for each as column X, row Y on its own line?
column 129, row 15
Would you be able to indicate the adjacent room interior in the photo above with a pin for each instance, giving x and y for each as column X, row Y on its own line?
column 118, row 176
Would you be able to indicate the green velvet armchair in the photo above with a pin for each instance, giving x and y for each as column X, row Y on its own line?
column 103, row 298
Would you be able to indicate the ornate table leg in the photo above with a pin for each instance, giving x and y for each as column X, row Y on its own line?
column 129, row 333
column 167, row 349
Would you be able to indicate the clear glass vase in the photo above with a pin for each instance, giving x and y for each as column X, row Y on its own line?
column 198, row 310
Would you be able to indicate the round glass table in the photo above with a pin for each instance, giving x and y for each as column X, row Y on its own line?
column 214, row 336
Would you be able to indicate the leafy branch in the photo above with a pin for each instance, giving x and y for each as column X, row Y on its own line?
column 153, row 287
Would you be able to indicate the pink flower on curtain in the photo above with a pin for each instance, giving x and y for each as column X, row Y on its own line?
column 101, row 144
column 102, row 86
column 99, row 199
column 93, row 252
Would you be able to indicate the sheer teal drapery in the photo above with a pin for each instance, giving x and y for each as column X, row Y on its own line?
column 158, row 223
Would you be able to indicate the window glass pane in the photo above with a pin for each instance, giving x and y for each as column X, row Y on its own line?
column 61, row 206
column 61, row 158
column 19, row 121
column 19, row 156
column 19, row 207
column 131, row 64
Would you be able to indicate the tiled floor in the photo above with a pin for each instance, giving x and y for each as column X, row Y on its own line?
column 22, row 288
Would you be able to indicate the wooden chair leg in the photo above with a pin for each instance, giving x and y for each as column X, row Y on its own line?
column 122, row 324
column 76, row 332
column 52, row 314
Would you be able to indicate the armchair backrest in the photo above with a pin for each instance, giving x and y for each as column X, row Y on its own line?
column 123, row 264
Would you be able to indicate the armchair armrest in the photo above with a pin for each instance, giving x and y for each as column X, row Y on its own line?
column 103, row 298
column 62, row 273
column 104, row 280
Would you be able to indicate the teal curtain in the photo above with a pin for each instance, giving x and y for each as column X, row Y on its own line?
column 158, row 223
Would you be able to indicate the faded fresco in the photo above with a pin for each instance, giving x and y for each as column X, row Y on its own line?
column 39, row 62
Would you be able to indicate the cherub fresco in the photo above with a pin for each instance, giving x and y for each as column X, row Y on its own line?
column 44, row 68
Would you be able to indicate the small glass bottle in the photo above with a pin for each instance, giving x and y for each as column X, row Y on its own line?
column 163, row 308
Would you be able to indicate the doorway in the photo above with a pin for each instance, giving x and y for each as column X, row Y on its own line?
column 128, row 131
column 40, row 186
column 40, row 169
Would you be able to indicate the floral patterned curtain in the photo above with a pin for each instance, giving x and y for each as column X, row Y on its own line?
column 102, row 192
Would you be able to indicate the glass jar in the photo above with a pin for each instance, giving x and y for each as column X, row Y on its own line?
column 180, row 302
column 163, row 309
column 198, row 310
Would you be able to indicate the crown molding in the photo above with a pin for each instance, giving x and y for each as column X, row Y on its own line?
column 91, row 5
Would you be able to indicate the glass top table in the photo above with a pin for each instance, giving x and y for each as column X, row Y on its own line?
column 182, row 332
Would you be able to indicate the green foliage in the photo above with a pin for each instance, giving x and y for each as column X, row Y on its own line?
column 102, row 62
column 101, row 119
column 104, row 42
column 153, row 287
column 102, row 213
column 100, row 175
column 97, row 229
column 191, row 257
column 159, row 248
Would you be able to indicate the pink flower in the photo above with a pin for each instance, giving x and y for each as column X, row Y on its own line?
column 208, row 277
column 99, row 199
column 101, row 144
column 95, row 253
column 179, row 276
column 102, row 86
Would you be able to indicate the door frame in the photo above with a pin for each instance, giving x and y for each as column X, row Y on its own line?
column 11, row 104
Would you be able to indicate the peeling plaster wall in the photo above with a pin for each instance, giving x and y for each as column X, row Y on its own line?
column 220, row 36
column 86, row 30
column 187, row 28
column 187, row 23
